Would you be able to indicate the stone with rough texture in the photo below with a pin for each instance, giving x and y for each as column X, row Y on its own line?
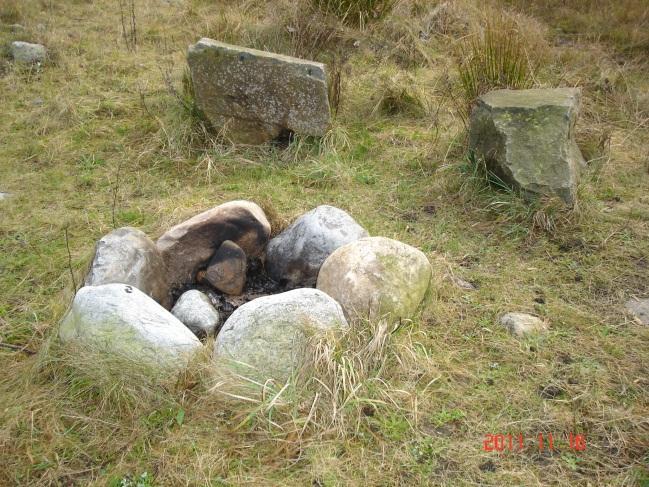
column 271, row 333
column 527, row 139
column 188, row 247
column 296, row 255
column 121, row 319
column 197, row 313
column 256, row 96
column 639, row 308
column 227, row 269
column 26, row 52
column 128, row 256
column 521, row 324
column 376, row 277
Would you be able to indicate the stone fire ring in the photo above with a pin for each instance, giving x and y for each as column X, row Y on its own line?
column 220, row 274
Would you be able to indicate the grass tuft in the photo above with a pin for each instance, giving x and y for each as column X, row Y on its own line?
column 356, row 12
column 500, row 55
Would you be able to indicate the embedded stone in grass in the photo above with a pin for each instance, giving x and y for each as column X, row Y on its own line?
column 26, row 52
column 128, row 256
column 188, row 247
column 195, row 310
column 270, row 334
column 227, row 269
column 4, row 196
column 121, row 319
column 639, row 308
column 522, row 324
column 296, row 255
column 526, row 137
column 256, row 96
column 375, row 277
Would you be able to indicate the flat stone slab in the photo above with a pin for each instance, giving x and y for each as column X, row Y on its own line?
column 526, row 138
column 255, row 96
column 26, row 52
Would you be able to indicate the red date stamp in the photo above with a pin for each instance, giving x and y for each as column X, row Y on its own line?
column 543, row 441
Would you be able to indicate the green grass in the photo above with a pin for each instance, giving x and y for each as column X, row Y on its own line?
column 426, row 399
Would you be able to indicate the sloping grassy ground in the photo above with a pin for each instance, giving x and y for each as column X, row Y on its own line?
column 97, row 138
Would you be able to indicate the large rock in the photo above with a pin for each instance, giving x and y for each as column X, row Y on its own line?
column 128, row 256
column 256, row 96
column 120, row 319
column 187, row 247
column 270, row 333
column 227, row 269
column 521, row 324
column 195, row 310
column 26, row 52
column 527, row 139
column 296, row 255
column 376, row 277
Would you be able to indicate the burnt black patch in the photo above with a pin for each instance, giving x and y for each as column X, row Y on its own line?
column 258, row 284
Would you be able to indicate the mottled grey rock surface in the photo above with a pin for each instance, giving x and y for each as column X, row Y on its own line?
column 120, row 319
column 270, row 334
column 128, row 256
column 521, row 324
column 255, row 96
column 639, row 308
column 376, row 277
column 194, row 309
column 226, row 270
column 188, row 246
column 26, row 52
column 527, row 139
column 296, row 255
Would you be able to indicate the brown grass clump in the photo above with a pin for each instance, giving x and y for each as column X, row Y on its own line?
column 356, row 12
column 503, row 53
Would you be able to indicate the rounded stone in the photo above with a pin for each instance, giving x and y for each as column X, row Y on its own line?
column 195, row 310
column 188, row 247
column 127, row 256
column 296, row 255
column 376, row 277
column 227, row 269
column 121, row 319
column 521, row 324
column 269, row 334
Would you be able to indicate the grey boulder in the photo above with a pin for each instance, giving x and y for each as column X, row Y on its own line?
column 296, row 255
column 255, row 96
column 122, row 320
column 128, row 256
column 271, row 334
column 26, row 52
column 526, row 137
column 188, row 247
column 376, row 277
column 522, row 324
column 194, row 309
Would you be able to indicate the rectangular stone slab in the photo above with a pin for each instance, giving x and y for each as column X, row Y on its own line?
column 256, row 96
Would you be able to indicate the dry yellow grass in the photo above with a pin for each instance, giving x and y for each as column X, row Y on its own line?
column 421, row 398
